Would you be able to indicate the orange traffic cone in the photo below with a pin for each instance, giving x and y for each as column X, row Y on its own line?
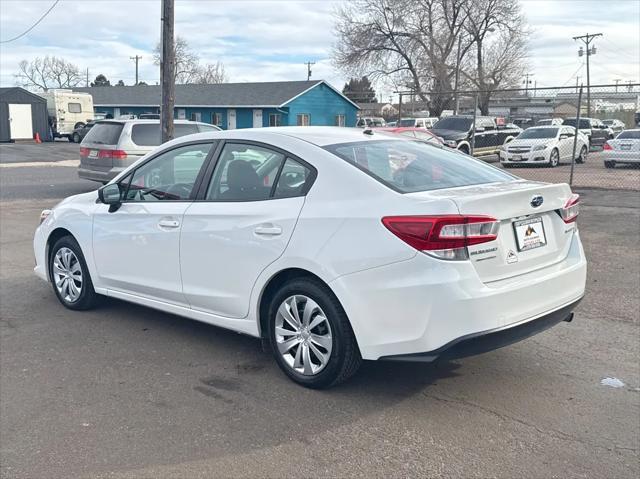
column 37, row 138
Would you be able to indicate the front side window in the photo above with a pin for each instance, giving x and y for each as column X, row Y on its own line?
column 74, row 108
column 244, row 173
column 409, row 166
column 275, row 119
column 303, row 119
column 454, row 123
column 170, row 176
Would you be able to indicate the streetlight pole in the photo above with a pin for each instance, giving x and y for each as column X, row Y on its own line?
column 167, row 70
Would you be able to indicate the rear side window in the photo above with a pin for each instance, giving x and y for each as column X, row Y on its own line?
column 148, row 134
column 104, row 133
column 293, row 180
column 74, row 108
column 409, row 166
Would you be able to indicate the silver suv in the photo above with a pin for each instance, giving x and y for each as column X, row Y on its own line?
column 113, row 145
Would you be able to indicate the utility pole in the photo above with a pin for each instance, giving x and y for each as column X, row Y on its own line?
column 457, row 74
column 309, row 69
column 617, row 80
column 527, row 82
column 587, row 39
column 87, row 82
column 167, row 70
column 577, row 80
column 136, row 59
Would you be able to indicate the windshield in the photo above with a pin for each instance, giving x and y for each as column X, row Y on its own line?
column 452, row 123
column 584, row 124
column 407, row 122
column 629, row 135
column 409, row 166
column 538, row 133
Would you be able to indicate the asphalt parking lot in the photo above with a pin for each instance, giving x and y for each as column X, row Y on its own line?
column 125, row 391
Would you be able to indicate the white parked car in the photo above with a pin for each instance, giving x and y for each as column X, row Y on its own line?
column 426, row 123
column 544, row 145
column 549, row 122
column 338, row 245
column 625, row 148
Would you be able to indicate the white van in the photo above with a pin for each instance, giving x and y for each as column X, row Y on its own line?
column 426, row 123
column 68, row 110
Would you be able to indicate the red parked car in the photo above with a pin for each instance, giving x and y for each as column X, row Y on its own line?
column 419, row 133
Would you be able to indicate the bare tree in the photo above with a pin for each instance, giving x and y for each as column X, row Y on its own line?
column 211, row 73
column 497, row 30
column 187, row 61
column 422, row 43
column 48, row 72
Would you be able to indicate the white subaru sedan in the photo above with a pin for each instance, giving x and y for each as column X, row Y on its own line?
column 333, row 245
column 545, row 145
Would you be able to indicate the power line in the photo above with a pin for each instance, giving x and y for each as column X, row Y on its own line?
column 32, row 26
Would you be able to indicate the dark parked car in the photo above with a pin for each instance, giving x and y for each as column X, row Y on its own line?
column 80, row 132
column 596, row 131
column 523, row 123
column 457, row 132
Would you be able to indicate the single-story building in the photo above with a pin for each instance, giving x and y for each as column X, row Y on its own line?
column 22, row 115
column 235, row 105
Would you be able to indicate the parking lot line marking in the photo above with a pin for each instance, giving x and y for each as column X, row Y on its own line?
column 29, row 164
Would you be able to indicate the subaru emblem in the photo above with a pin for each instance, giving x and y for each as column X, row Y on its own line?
column 537, row 200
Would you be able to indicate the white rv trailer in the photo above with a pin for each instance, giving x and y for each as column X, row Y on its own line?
column 68, row 110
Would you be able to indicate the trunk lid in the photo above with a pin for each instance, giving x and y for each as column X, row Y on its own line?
column 512, row 204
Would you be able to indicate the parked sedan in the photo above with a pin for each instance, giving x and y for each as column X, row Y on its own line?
column 616, row 125
column 544, row 145
column 625, row 148
column 342, row 245
column 80, row 132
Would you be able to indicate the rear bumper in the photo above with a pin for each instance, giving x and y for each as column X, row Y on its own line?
column 425, row 304
column 478, row 343
column 102, row 176
column 621, row 156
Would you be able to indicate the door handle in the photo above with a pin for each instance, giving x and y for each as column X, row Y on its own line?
column 167, row 223
column 268, row 230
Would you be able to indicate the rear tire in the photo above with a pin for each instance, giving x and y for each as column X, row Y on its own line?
column 609, row 164
column 310, row 335
column 69, row 275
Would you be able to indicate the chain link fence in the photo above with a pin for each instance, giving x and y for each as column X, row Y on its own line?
column 532, row 132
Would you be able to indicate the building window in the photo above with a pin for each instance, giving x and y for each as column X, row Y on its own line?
column 275, row 119
column 182, row 114
column 340, row 120
column 216, row 119
column 74, row 108
column 196, row 116
column 303, row 119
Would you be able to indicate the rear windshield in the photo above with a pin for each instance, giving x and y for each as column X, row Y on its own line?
column 148, row 134
column 629, row 135
column 538, row 133
column 458, row 124
column 584, row 124
column 409, row 166
column 104, row 133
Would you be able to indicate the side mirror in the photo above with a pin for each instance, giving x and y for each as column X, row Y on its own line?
column 111, row 195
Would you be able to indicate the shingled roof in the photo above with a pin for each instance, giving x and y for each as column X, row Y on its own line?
column 267, row 94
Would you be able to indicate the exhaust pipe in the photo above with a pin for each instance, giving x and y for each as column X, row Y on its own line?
column 569, row 318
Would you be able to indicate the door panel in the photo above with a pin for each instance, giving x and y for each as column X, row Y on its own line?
column 257, row 118
column 21, row 124
column 231, row 119
column 136, row 249
column 225, row 246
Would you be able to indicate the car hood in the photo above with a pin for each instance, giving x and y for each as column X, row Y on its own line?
column 531, row 141
column 85, row 198
column 449, row 134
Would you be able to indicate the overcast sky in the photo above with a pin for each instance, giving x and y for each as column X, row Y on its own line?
column 271, row 40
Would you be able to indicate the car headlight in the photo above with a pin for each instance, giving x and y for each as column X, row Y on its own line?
column 451, row 143
column 44, row 215
column 539, row 147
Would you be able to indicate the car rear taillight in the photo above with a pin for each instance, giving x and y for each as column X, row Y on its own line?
column 570, row 210
column 607, row 146
column 84, row 151
column 114, row 154
column 446, row 236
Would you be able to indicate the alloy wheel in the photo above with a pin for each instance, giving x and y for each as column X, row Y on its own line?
column 67, row 275
column 303, row 335
column 554, row 159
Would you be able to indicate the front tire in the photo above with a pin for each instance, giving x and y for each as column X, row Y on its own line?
column 609, row 164
column 310, row 335
column 69, row 275
column 582, row 157
column 554, row 158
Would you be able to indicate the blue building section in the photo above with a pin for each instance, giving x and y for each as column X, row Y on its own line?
column 238, row 105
